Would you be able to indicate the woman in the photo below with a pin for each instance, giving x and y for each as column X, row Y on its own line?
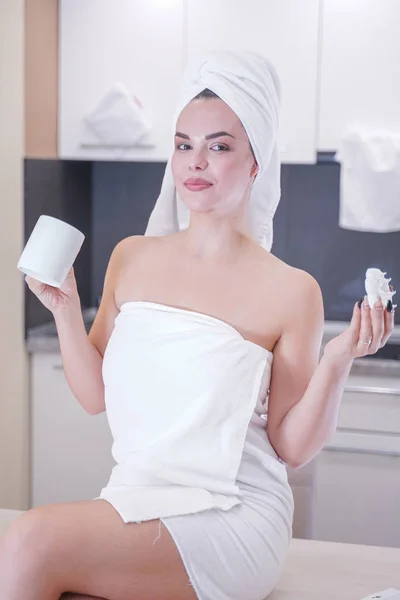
column 205, row 352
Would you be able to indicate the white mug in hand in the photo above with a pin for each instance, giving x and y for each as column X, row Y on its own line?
column 51, row 251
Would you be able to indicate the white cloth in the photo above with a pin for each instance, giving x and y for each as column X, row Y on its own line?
column 249, row 84
column 118, row 120
column 237, row 554
column 186, row 400
column 369, row 181
column 179, row 435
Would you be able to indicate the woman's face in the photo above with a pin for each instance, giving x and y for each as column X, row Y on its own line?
column 212, row 163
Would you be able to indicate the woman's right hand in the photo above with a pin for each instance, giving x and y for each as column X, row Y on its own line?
column 53, row 298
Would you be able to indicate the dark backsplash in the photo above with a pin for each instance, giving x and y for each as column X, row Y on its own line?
column 336, row 257
column 111, row 200
column 123, row 196
column 306, row 230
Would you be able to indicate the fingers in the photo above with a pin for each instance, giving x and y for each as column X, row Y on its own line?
column 355, row 322
column 37, row 287
column 366, row 334
column 371, row 327
column 388, row 317
column 378, row 326
column 29, row 281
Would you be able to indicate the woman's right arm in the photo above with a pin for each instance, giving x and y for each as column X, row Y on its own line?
column 82, row 354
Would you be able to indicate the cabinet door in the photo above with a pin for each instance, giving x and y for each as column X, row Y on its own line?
column 138, row 43
column 370, row 409
column 360, row 73
column 70, row 449
column 286, row 32
column 357, row 498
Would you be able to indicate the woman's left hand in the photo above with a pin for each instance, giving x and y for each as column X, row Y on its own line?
column 369, row 330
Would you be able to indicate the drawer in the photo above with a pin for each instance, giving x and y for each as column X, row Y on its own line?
column 370, row 409
column 364, row 442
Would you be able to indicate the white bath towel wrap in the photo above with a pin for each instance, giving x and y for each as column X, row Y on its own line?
column 248, row 83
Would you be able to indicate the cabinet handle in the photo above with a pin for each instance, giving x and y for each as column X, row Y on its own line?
column 352, row 450
column 58, row 367
column 375, row 432
column 361, row 389
column 365, row 441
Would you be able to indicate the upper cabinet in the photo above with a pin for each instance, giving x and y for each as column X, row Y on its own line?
column 338, row 63
column 131, row 45
column 360, row 72
column 286, row 32
column 141, row 45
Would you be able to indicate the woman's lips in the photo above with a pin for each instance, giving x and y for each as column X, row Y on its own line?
column 195, row 184
column 197, row 187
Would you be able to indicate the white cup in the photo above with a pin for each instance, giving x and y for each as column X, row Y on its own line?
column 51, row 251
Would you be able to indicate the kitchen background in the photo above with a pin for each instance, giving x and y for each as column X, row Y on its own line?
column 338, row 63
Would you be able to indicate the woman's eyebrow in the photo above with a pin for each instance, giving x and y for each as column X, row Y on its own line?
column 210, row 136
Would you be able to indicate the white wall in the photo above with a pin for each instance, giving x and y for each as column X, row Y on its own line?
column 14, row 412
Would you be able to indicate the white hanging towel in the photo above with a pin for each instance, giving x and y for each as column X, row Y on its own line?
column 118, row 120
column 369, row 181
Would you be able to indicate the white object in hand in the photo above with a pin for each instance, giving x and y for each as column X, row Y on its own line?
column 377, row 286
column 390, row 593
column 50, row 251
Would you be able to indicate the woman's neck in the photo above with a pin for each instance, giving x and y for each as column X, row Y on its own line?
column 209, row 238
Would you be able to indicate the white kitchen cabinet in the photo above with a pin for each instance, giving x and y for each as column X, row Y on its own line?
column 357, row 476
column 357, row 498
column 70, row 449
column 286, row 32
column 135, row 42
column 144, row 44
column 360, row 73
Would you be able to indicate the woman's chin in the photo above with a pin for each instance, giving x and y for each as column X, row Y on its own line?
column 199, row 205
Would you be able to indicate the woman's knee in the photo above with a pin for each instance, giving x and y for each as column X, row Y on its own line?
column 28, row 538
column 69, row 596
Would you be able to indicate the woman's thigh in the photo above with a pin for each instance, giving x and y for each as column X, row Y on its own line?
column 88, row 549
column 69, row 596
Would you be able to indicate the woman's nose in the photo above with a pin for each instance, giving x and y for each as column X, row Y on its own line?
column 198, row 161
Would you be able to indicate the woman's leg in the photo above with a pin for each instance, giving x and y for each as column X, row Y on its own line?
column 85, row 548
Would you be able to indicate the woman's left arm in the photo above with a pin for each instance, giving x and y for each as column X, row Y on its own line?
column 305, row 396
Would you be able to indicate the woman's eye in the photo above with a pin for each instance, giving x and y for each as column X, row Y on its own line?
column 216, row 147
column 219, row 147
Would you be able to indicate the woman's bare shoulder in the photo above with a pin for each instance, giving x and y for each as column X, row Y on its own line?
column 127, row 244
column 121, row 259
column 129, row 248
column 292, row 280
column 301, row 302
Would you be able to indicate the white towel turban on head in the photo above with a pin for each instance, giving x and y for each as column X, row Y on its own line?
column 248, row 83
